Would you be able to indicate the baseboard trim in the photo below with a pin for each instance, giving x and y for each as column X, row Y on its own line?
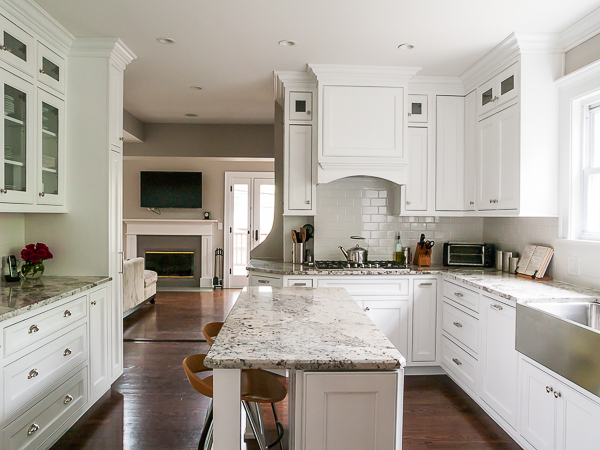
column 424, row 370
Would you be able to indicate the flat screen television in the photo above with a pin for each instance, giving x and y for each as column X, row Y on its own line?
column 171, row 189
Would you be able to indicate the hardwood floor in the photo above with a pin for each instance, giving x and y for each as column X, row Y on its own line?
column 152, row 406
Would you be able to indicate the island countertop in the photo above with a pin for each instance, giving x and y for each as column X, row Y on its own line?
column 16, row 299
column 302, row 329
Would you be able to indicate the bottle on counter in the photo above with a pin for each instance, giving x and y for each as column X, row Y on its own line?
column 399, row 251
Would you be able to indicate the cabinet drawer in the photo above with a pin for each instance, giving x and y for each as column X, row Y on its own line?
column 460, row 363
column 29, row 376
column 266, row 281
column 358, row 287
column 37, row 424
column 299, row 282
column 461, row 295
column 461, row 326
column 27, row 332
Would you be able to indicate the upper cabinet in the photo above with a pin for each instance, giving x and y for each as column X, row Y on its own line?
column 51, row 68
column 116, row 108
column 17, row 46
column 499, row 90
column 51, row 151
column 417, row 108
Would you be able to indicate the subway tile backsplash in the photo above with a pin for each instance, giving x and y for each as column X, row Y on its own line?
column 358, row 206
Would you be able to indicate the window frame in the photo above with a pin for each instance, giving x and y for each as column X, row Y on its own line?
column 587, row 141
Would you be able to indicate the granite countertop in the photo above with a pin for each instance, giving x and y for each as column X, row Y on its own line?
column 303, row 329
column 16, row 299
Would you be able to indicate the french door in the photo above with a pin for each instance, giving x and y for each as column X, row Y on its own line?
column 249, row 213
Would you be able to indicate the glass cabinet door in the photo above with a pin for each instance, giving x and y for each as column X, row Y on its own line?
column 51, row 68
column 508, row 84
column 487, row 97
column 16, row 46
column 17, row 180
column 51, row 156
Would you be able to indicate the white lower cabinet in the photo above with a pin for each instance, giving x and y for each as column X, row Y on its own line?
column 98, row 340
column 347, row 410
column 391, row 317
column 555, row 416
column 424, row 320
column 500, row 359
column 262, row 280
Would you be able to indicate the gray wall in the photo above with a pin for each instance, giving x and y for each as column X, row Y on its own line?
column 239, row 141
column 582, row 55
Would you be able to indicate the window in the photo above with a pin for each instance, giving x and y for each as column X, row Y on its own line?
column 590, row 175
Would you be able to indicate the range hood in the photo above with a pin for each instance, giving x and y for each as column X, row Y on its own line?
column 330, row 172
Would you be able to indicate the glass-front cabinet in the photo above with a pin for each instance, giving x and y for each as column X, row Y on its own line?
column 51, row 68
column 17, row 46
column 17, row 179
column 51, row 154
column 499, row 90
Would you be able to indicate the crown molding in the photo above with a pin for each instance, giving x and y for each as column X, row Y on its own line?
column 581, row 31
column 579, row 76
column 40, row 22
column 443, row 84
column 366, row 75
column 94, row 47
column 291, row 80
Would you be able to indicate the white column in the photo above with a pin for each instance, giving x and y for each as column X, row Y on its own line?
column 207, row 263
column 227, row 409
column 131, row 246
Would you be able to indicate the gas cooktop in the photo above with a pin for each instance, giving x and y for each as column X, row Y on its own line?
column 345, row 265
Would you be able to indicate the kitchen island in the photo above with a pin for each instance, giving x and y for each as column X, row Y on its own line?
column 345, row 377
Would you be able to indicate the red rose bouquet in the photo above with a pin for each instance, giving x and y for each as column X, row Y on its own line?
column 33, row 256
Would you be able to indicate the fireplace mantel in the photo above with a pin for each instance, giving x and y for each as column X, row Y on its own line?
column 166, row 227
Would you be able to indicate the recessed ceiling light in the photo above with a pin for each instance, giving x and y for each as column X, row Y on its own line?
column 165, row 40
column 196, row 88
column 286, row 43
column 406, row 46
column 191, row 115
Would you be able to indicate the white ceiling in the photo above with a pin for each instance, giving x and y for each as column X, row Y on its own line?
column 229, row 47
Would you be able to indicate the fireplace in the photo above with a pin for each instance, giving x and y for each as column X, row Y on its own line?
column 171, row 264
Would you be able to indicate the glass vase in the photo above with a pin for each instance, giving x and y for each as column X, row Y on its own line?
column 31, row 272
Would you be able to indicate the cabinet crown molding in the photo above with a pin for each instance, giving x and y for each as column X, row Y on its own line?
column 374, row 75
column 291, row 80
column 579, row 76
column 582, row 30
column 514, row 45
column 95, row 47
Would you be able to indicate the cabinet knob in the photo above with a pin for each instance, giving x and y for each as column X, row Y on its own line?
column 32, row 429
column 33, row 329
column 3, row 191
column 68, row 399
column 307, row 112
column 457, row 362
column 549, row 389
column 4, row 48
column 42, row 194
column 491, row 201
column 42, row 72
column 458, row 294
column 409, row 114
column 557, row 394
column 121, row 138
column 457, row 324
column 93, row 302
column 32, row 374
column 67, row 313
column 308, row 202
column 407, row 202
column 67, row 352
column 367, row 309
column 471, row 203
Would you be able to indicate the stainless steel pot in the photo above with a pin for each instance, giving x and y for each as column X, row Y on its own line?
column 355, row 254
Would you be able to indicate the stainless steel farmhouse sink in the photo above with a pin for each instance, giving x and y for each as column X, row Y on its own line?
column 564, row 337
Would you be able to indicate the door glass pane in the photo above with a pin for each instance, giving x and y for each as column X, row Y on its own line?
column 507, row 85
column 416, row 108
column 486, row 97
column 15, row 143
column 49, row 149
column 241, row 196
column 267, row 210
column 15, row 46
column 300, row 105
column 593, row 203
column 50, row 69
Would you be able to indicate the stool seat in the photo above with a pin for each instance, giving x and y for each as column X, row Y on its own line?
column 211, row 330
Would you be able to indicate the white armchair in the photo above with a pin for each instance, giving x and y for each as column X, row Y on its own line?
column 139, row 285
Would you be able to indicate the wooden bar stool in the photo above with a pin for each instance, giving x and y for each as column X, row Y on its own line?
column 210, row 331
column 257, row 386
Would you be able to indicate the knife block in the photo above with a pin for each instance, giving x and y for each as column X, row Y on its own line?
column 421, row 252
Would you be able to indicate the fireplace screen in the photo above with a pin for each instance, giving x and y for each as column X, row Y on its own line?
column 171, row 264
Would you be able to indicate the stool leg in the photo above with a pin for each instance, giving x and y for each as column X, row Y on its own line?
column 254, row 426
column 209, row 440
column 259, row 418
column 206, row 430
column 279, row 429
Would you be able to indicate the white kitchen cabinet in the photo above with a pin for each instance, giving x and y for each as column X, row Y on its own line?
column 116, row 256
column 51, row 68
column 391, row 317
column 499, row 90
column 362, row 124
column 299, row 186
column 18, row 46
column 17, row 179
column 416, row 188
column 470, row 156
column 51, row 159
column 498, row 161
column 265, row 280
column 555, row 416
column 500, row 359
column 99, row 328
column 450, row 154
column 116, row 108
column 424, row 320
column 350, row 410
column 417, row 108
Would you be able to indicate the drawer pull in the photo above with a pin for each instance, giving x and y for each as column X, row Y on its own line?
column 93, row 302
column 425, row 284
column 32, row 429
column 458, row 294
column 549, row 389
column 300, row 284
column 496, row 307
column 457, row 324
column 32, row 374
column 557, row 394
column 263, row 282
column 68, row 399
column 457, row 362
column 67, row 352
column 33, row 329
column 67, row 313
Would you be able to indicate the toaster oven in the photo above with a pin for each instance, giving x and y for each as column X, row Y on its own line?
column 469, row 254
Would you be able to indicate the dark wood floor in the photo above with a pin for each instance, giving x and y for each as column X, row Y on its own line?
column 152, row 406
